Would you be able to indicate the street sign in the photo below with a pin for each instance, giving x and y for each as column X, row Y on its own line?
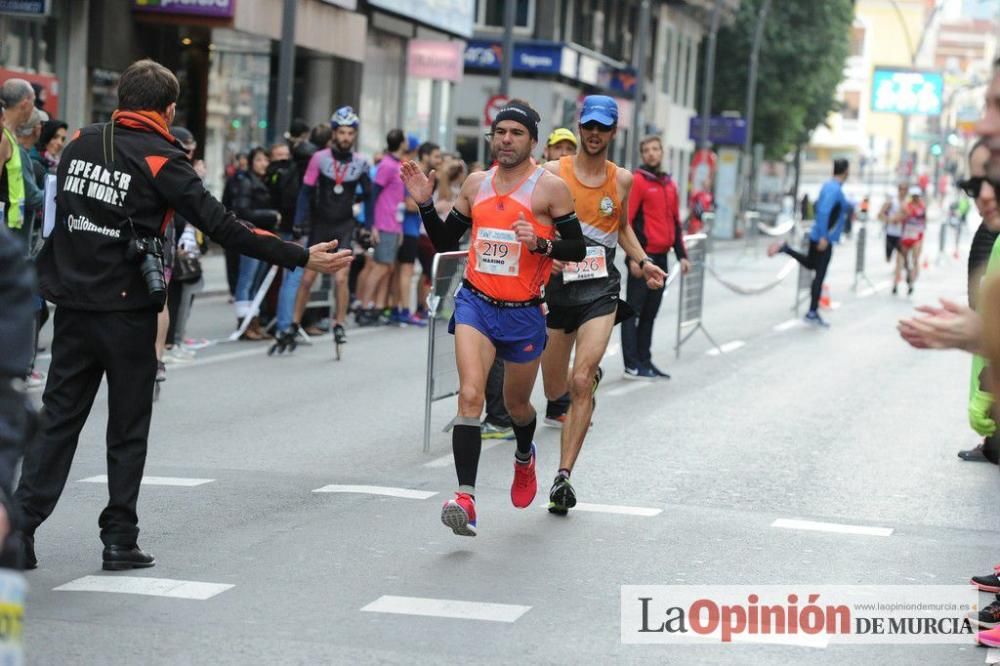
column 492, row 108
column 722, row 130
column 907, row 91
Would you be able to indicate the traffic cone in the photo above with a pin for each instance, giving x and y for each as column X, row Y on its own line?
column 824, row 299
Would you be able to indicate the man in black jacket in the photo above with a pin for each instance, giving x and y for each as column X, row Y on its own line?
column 118, row 186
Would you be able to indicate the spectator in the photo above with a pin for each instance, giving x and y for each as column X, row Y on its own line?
column 252, row 202
column 654, row 213
column 51, row 142
column 386, row 228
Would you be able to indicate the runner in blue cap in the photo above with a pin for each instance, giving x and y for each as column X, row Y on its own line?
column 583, row 298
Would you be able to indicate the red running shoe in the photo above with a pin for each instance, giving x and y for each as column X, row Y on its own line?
column 525, row 485
column 988, row 583
column 460, row 514
column 989, row 638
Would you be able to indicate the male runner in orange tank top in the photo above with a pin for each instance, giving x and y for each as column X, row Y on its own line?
column 583, row 299
column 514, row 211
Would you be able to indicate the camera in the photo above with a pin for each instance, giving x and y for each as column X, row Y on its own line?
column 148, row 253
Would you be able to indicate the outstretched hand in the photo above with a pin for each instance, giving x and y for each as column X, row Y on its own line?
column 325, row 258
column 419, row 185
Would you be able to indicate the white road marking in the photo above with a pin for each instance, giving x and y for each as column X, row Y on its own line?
column 629, row 388
column 448, row 460
column 786, row 325
column 405, row 493
column 835, row 305
column 450, row 608
column 153, row 587
column 992, row 656
column 726, row 348
column 791, row 524
column 155, row 481
column 613, row 350
column 644, row 511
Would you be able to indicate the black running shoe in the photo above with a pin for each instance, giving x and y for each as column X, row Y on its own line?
column 561, row 497
column 989, row 582
column 988, row 617
column 973, row 455
column 339, row 335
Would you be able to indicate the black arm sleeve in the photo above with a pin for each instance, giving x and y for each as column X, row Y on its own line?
column 679, row 249
column 444, row 234
column 178, row 183
column 570, row 245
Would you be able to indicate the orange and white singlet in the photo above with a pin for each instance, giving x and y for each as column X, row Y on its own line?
column 500, row 266
column 599, row 209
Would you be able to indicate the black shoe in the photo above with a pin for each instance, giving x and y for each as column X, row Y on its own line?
column 120, row 558
column 28, row 559
column 974, row 455
column 561, row 497
column 988, row 617
column 339, row 335
column 895, row 289
column 658, row 372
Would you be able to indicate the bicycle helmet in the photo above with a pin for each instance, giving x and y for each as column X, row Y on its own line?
column 344, row 117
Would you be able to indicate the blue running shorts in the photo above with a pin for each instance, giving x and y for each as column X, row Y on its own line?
column 518, row 334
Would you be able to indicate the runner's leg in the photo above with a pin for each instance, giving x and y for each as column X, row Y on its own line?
column 474, row 354
column 591, row 343
column 555, row 363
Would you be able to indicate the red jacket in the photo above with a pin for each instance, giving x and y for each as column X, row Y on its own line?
column 654, row 213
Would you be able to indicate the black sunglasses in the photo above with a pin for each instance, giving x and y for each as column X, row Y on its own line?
column 594, row 125
column 971, row 186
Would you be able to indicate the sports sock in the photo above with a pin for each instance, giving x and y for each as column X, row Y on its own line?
column 466, row 445
column 524, row 435
column 563, row 472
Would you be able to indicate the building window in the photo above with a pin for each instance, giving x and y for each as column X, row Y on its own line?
column 857, row 41
column 852, row 105
column 668, row 59
column 489, row 15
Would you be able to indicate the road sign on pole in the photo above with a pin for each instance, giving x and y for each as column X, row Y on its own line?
column 492, row 108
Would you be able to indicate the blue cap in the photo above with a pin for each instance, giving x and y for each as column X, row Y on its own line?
column 599, row 108
column 412, row 142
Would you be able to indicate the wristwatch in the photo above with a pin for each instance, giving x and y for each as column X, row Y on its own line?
column 542, row 246
column 643, row 261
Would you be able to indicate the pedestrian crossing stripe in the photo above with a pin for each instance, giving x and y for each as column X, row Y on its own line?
column 155, row 481
column 153, row 587
column 447, row 608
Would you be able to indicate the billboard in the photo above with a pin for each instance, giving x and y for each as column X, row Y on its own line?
column 908, row 92
column 452, row 16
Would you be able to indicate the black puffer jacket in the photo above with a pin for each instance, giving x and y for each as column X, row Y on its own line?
column 252, row 201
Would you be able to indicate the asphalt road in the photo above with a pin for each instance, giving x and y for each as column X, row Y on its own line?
column 846, row 426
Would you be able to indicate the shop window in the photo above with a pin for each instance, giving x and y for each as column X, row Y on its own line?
column 489, row 14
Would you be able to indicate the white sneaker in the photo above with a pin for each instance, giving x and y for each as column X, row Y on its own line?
column 178, row 355
column 35, row 380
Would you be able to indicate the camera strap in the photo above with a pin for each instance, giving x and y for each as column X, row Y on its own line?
column 108, row 147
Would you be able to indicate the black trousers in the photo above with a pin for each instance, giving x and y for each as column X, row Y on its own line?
column 86, row 346
column 637, row 332
column 815, row 261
